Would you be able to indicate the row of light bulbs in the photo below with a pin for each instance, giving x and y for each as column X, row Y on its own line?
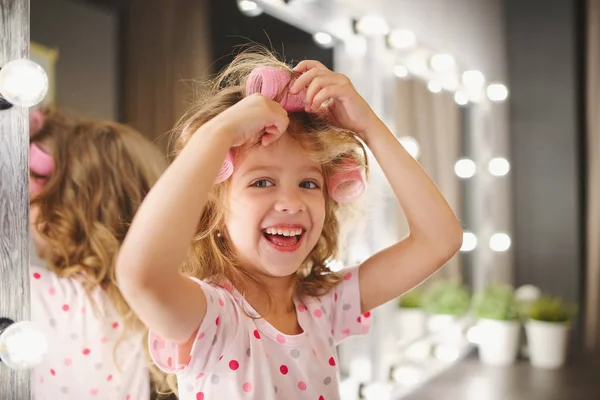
column 498, row 242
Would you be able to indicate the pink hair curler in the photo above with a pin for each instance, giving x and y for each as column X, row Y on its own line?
column 348, row 184
column 272, row 83
column 41, row 164
column 226, row 168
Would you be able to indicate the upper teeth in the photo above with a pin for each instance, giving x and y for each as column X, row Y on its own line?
column 284, row 231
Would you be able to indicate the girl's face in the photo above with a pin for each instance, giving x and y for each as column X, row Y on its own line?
column 36, row 183
column 276, row 207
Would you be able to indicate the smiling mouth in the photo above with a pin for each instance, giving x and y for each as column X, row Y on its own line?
column 286, row 240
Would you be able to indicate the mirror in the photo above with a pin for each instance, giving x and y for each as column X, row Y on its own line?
column 135, row 61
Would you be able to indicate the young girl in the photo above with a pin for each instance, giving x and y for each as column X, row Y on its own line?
column 261, row 314
column 87, row 181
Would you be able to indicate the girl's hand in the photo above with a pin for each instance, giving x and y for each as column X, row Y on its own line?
column 254, row 117
column 347, row 109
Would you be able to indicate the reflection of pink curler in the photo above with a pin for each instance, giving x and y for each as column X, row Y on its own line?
column 272, row 83
column 346, row 185
column 226, row 169
column 40, row 162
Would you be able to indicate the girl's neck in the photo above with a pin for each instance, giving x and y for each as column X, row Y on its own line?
column 281, row 290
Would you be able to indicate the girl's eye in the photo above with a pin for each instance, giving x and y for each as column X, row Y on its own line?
column 309, row 185
column 262, row 183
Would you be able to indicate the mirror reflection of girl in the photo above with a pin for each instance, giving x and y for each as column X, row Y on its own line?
column 87, row 181
column 262, row 314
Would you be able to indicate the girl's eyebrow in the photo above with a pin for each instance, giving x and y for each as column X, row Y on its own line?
column 272, row 168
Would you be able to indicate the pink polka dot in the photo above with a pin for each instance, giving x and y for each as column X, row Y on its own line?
column 199, row 396
column 94, row 392
column 104, row 339
column 367, row 314
column 115, row 325
column 280, row 338
column 217, row 321
column 314, row 352
column 52, row 372
column 256, row 334
column 332, row 361
column 318, row 313
column 201, row 335
column 234, row 365
column 83, row 310
column 86, row 352
column 301, row 385
column 321, row 398
column 170, row 362
column 347, row 276
column 301, row 307
column 200, row 375
column 52, row 291
column 188, row 361
column 335, row 297
column 247, row 387
column 37, row 276
column 65, row 307
column 220, row 358
column 345, row 332
column 358, row 320
column 283, row 369
column 227, row 287
column 68, row 361
column 221, row 302
column 109, row 378
column 41, row 379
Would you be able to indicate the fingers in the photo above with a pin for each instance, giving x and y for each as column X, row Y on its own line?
column 303, row 80
column 325, row 94
column 306, row 65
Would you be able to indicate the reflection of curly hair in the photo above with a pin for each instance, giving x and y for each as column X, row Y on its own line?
column 212, row 257
column 103, row 171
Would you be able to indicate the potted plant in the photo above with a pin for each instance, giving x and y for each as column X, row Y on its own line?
column 444, row 302
column 547, row 328
column 498, row 325
column 411, row 319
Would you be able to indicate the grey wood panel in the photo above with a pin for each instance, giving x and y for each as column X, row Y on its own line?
column 14, row 194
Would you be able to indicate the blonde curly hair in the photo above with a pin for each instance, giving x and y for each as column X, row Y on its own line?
column 212, row 257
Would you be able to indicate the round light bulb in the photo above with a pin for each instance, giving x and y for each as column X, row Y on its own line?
column 497, row 92
column 411, row 145
column 442, row 62
column 469, row 242
column 400, row 71
column 500, row 242
column 465, row 168
column 499, row 166
column 434, row 86
column 323, row 39
column 23, row 83
column 461, row 98
column 22, row 345
column 401, row 39
column 473, row 79
column 372, row 25
column 249, row 8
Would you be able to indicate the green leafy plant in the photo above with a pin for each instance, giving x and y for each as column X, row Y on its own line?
column 551, row 309
column 411, row 299
column 497, row 302
column 446, row 298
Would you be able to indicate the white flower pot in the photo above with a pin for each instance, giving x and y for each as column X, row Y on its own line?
column 498, row 341
column 438, row 322
column 548, row 343
column 411, row 323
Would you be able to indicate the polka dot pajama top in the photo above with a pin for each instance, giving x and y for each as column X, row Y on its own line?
column 80, row 363
column 237, row 357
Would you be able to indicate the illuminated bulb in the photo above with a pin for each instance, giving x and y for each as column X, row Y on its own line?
column 372, row 25
column 434, row 86
column 469, row 242
column 474, row 335
column 442, row 62
column 497, row 92
column 323, row 39
column 411, row 145
column 527, row 293
column 473, row 79
column 400, row 71
column 461, row 98
column 408, row 375
column 377, row 391
column 23, row 83
column 500, row 242
column 249, row 8
column 464, row 168
column 22, row 345
column 401, row 39
column 446, row 352
column 499, row 166
column 335, row 265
